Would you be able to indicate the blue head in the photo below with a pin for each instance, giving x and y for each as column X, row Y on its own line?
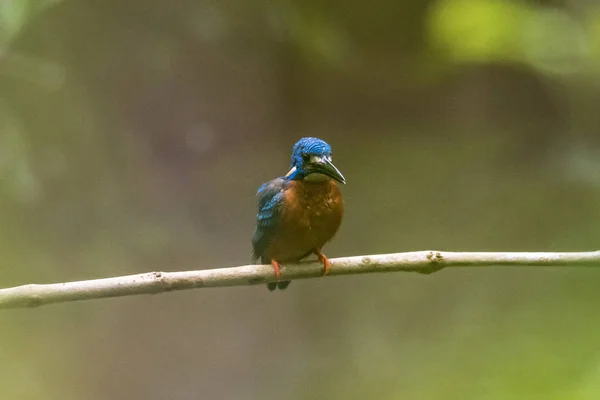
column 311, row 160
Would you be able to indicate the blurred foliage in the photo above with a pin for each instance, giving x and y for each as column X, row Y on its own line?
column 133, row 135
column 15, row 14
column 550, row 39
column 479, row 30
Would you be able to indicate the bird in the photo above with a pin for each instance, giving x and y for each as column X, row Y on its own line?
column 299, row 212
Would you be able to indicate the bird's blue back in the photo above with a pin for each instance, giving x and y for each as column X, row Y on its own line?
column 270, row 202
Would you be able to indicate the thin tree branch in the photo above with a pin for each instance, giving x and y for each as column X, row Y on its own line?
column 34, row 295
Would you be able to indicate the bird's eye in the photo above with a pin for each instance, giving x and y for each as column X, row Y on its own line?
column 305, row 158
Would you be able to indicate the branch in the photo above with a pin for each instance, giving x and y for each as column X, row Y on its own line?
column 160, row 282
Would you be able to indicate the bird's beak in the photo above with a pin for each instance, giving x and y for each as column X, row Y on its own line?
column 325, row 166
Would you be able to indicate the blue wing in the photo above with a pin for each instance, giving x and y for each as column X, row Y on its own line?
column 270, row 199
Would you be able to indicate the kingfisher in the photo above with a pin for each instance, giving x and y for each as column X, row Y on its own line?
column 299, row 212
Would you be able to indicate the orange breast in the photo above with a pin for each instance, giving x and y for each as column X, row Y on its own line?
column 311, row 215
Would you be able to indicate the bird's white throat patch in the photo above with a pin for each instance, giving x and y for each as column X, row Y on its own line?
column 316, row 177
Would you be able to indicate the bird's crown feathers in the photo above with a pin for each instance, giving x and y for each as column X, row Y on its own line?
column 307, row 147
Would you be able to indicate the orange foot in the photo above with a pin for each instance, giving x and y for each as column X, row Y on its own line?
column 324, row 260
column 277, row 269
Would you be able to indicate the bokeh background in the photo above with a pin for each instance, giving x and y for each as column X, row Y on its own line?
column 133, row 137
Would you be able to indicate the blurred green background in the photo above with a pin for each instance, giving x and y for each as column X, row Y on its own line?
column 133, row 137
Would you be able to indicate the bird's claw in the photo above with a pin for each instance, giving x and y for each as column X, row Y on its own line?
column 325, row 261
column 277, row 269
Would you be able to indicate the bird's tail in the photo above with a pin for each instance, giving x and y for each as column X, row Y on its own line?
column 278, row 285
